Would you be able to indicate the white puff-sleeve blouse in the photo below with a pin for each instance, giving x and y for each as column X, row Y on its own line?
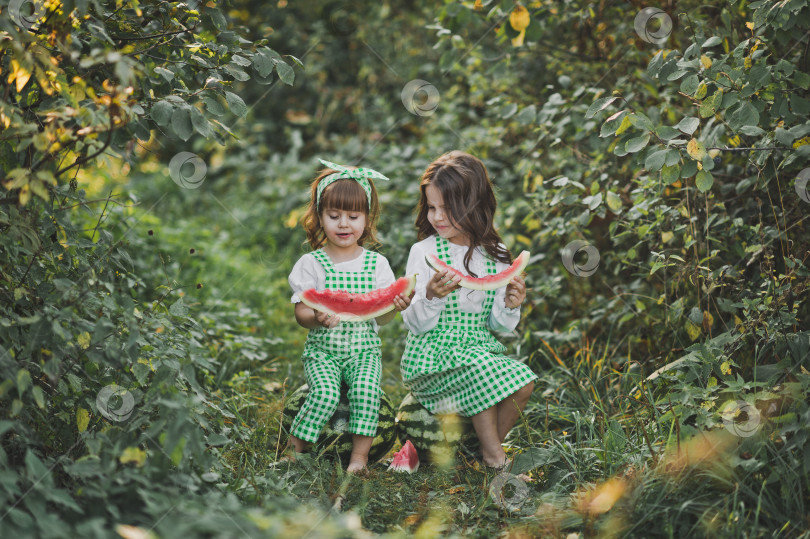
column 423, row 314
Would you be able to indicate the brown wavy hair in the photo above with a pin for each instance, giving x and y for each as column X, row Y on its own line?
column 469, row 200
column 344, row 194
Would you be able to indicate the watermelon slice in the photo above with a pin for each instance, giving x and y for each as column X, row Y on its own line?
column 488, row 282
column 406, row 459
column 351, row 307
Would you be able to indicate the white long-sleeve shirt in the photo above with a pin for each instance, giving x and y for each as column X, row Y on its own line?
column 423, row 314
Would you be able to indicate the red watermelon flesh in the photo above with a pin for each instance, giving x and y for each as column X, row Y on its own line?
column 352, row 307
column 406, row 459
column 487, row 282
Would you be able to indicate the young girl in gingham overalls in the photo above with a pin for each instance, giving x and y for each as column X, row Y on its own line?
column 452, row 363
column 342, row 215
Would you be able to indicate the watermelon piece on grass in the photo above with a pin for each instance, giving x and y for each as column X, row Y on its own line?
column 353, row 307
column 406, row 459
column 487, row 282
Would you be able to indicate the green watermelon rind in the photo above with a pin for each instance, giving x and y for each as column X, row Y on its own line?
column 331, row 442
column 488, row 282
column 424, row 430
column 349, row 311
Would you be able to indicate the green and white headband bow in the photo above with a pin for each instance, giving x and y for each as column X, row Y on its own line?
column 360, row 175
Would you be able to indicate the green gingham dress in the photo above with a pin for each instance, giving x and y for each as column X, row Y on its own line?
column 349, row 352
column 459, row 366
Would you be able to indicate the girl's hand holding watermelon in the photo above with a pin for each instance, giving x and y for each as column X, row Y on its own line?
column 326, row 320
column 441, row 284
column 515, row 293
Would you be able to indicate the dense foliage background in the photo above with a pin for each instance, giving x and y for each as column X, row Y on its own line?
column 155, row 159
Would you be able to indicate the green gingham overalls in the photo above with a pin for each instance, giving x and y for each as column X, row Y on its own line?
column 350, row 352
column 459, row 366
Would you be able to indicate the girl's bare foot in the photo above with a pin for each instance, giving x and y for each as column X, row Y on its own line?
column 294, row 446
column 357, row 464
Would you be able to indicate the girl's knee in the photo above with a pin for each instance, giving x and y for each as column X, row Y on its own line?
column 327, row 396
column 526, row 391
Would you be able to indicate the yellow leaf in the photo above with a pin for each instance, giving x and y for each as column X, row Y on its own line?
column 706, row 61
column 133, row 532
column 695, row 149
column 82, row 419
column 84, row 340
column 25, row 195
column 708, row 319
column 666, row 237
column 479, row 5
column 734, row 141
column 749, row 25
column 725, row 368
column 625, row 125
column 519, row 19
column 692, row 330
column 603, row 497
column 133, row 454
column 801, row 142
column 518, row 40
column 19, row 73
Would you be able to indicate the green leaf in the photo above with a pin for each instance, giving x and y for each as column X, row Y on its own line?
column 745, row 115
column 200, row 123
column 598, row 105
column 235, row 104
column 161, row 112
column 704, row 181
column 711, row 42
column 655, row 64
column 39, row 397
column 262, row 63
column 612, row 124
column 532, row 458
column 178, row 308
column 614, row 202
column 285, row 73
column 666, row 132
column 23, row 381
column 670, row 174
column 655, row 160
column 181, row 123
column 688, row 125
column 709, row 105
column 165, row 73
column 690, row 84
column 637, row 144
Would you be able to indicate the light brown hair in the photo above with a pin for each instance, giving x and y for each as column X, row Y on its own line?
column 344, row 194
column 469, row 200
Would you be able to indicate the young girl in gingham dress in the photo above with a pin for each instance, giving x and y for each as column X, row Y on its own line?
column 342, row 215
column 452, row 363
